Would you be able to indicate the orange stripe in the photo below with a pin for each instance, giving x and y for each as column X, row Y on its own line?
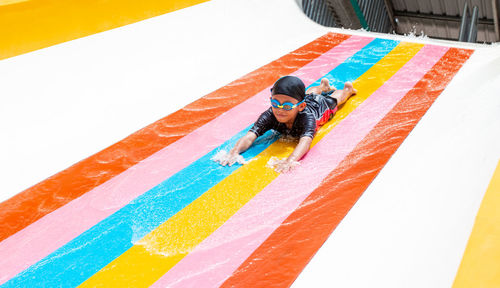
column 54, row 192
column 279, row 260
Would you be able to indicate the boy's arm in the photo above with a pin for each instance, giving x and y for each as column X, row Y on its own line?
column 263, row 124
column 301, row 149
column 242, row 145
column 297, row 154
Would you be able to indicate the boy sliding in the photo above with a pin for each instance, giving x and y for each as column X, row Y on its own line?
column 294, row 112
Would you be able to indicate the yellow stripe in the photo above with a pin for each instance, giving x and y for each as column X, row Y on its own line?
column 480, row 265
column 161, row 249
column 28, row 25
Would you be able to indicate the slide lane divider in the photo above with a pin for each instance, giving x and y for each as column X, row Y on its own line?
column 308, row 227
column 79, row 215
column 234, row 241
column 43, row 198
column 149, row 258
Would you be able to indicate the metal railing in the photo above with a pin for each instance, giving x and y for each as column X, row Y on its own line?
column 376, row 15
column 372, row 14
column 468, row 25
column 496, row 21
column 319, row 12
column 380, row 16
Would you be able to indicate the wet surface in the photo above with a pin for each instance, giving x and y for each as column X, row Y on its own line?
column 45, row 197
column 239, row 226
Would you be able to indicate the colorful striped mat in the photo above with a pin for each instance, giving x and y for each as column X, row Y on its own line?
column 161, row 213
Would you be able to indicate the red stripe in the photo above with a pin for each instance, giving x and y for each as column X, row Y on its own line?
column 326, row 117
column 279, row 260
column 54, row 192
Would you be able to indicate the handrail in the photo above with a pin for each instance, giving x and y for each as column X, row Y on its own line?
column 464, row 27
column 496, row 20
column 319, row 12
column 468, row 25
column 473, row 26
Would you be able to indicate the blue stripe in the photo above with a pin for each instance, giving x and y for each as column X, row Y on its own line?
column 359, row 63
column 85, row 255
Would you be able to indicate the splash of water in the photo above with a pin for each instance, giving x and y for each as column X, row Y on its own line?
column 275, row 161
column 224, row 155
column 414, row 34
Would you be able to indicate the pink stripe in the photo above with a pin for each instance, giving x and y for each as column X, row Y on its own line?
column 49, row 233
column 215, row 259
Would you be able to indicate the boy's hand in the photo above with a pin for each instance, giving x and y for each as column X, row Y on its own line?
column 283, row 165
column 286, row 166
column 229, row 159
column 224, row 158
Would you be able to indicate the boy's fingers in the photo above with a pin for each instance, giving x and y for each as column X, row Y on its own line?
column 285, row 168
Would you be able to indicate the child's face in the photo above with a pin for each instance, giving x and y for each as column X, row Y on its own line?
column 284, row 116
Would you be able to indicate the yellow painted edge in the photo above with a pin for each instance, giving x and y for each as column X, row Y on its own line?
column 34, row 24
column 480, row 266
column 10, row 2
column 151, row 257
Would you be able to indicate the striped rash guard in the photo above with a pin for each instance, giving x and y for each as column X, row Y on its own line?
column 319, row 109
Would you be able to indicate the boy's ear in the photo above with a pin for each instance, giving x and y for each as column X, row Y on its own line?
column 302, row 106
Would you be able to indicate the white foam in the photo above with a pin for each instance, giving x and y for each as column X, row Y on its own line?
column 223, row 155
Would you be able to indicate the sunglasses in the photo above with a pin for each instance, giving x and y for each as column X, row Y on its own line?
column 285, row 106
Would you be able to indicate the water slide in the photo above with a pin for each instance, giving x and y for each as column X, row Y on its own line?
column 110, row 123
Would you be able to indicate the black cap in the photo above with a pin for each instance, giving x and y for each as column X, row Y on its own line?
column 291, row 86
